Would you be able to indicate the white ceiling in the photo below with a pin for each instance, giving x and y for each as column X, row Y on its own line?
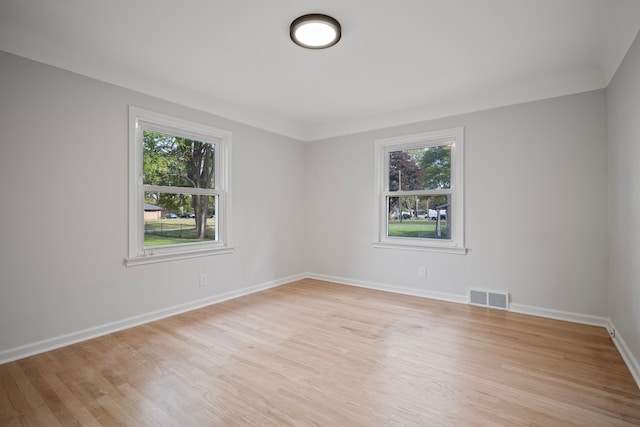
column 398, row 61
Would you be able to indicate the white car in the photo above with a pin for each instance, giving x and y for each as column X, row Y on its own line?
column 433, row 214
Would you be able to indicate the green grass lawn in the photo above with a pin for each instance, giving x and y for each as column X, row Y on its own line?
column 159, row 240
column 416, row 228
column 182, row 230
column 177, row 221
column 162, row 232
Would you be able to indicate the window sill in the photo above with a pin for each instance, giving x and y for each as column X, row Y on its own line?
column 174, row 256
column 421, row 248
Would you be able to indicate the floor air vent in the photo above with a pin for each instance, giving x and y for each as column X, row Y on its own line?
column 491, row 299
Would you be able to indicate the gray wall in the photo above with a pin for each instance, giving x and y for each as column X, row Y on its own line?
column 536, row 223
column 623, row 96
column 535, row 189
column 63, row 169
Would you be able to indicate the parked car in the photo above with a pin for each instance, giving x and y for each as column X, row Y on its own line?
column 188, row 215
column 433, row 214
column 171, row 216
column 405, row 215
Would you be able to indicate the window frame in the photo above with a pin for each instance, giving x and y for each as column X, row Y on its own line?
column 141, row 120
column 383, row 147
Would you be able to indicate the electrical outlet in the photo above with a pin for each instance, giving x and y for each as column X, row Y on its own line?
column 612, row 332
column 422, row 272
column 203, row 279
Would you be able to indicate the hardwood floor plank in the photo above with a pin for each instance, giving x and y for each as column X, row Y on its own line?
column 38, row 412
column 312, row 353
column 13, row 403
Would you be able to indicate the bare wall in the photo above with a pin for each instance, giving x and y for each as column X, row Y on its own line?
column 63, row 169
column 623, row 210
column 536, row 184
column 536, row 191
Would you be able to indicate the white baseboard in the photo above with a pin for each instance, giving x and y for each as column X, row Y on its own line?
column 568, row 316
column 86, row 334
column 462, row 299
column 627, row 355
column 585, row 319
column 90, row 333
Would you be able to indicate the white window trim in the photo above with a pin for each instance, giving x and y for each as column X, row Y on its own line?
column 382, row 148
column 138, row 255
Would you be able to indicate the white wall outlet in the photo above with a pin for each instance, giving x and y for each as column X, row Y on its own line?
column 203, row 279
column 422, row 272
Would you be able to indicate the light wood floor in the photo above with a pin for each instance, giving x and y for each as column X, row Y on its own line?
column 316, row 353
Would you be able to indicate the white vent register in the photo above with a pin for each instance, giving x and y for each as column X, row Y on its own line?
column 491, row 299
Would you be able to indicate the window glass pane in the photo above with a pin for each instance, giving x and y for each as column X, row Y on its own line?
column 173, row 218
column 177, row 162
column 422, row 217
column 427, row 168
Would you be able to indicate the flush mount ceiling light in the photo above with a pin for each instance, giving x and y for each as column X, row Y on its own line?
column 315, row 31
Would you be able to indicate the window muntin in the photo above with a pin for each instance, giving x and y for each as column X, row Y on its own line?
column 179, row 188
column 420, row 191
column 172, row 163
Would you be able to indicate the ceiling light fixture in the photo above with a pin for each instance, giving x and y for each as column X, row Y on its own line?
column 315, row 31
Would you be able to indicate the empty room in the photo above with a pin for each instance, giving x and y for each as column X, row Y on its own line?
column 329, row 213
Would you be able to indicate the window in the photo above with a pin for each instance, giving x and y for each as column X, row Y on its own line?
column 420, row 191
column 179, row 200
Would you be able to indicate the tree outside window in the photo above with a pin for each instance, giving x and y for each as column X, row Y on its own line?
column 421, row 194
column 179, row 188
